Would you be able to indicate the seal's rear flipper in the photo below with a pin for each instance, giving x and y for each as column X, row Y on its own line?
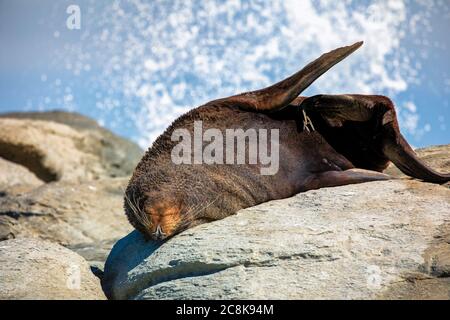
column 342, row 178
column 279, row 95
column 404, row 157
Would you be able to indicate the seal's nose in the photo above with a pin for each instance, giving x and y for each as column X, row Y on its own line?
column 159, row 234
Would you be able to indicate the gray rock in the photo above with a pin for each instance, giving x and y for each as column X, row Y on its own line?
column 36, row 269
column 87, row 217
column 82, row 210
column 65, row 146
column 365, row 241
column 12, row 176
column 81, row 206
column 95, row 253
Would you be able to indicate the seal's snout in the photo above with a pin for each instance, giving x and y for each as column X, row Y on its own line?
column 158, row 234
column 163, row 216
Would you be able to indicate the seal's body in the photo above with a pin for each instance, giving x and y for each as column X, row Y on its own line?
column 351, row 139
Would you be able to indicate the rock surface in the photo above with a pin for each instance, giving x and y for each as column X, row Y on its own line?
column 77, row 215
column 62, row 178
column 13, row 176
column 65, row 146
column 373, row 240
column 36, row 269
column 59, row 183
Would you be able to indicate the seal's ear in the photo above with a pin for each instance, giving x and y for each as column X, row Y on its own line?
column 279, row 95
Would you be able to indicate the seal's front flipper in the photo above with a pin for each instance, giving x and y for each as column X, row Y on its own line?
column 371, row 121
column 279, row 95
column 341, row 178
column 336, row 109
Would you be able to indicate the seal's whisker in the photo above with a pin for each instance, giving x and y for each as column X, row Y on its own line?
column 193, row 208
column 130, row 204
column 206, row 206
column 142, row 213
column 138, row 214
column 135, row 212
column 133, row 208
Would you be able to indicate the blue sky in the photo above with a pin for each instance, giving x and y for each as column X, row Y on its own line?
column 136, row 65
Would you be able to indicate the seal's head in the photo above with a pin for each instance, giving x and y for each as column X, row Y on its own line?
column 156, row 214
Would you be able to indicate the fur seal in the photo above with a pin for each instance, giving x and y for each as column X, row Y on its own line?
column 324, row 141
